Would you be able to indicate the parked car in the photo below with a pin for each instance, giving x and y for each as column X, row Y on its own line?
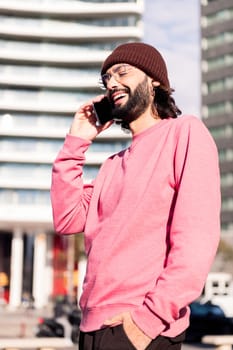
column 206, row 319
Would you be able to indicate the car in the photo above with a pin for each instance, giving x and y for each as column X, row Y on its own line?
column 207, row 318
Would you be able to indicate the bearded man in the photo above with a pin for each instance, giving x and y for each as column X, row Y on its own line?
column 150, row 218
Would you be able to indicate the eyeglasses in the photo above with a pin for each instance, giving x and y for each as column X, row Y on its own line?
column 118, row 74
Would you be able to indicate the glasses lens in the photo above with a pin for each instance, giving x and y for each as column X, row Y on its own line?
column 105, row 78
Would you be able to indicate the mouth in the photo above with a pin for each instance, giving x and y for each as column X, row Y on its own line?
column 118, row 97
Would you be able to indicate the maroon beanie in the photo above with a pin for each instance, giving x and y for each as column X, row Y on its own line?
column 140, row 55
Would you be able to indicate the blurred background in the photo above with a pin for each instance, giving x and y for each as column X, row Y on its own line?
column 51, row 52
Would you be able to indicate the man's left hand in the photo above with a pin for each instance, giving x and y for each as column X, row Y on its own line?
column 137, row 337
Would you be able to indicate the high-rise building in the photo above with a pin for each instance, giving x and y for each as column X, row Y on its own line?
column 217, row 91
column 51, row 52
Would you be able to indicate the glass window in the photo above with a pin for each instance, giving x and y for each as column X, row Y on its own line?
column 215, row 109
column 107, row 1
column 220, row 108
column 13, row 144
column 220, row 39
column 19, row 170
column 220, row 16
column 227, row 179
column 43, row 47
column 109, row 146
column 220, row 85
column 220, row 62
column 227, row 204
column 226, row 155
column 70, row 24
column 45, row 95
column 222, row 131
column 27, row 120
column 90, row 172
column 17, row 196
column 216, row 86
column 49, row 72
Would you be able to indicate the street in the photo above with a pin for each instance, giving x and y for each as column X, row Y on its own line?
column 22, row 323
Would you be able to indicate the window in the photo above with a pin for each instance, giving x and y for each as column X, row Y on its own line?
column 90, row 172
column 219, row 39
column 220, row 62
column 49, row 72
column 19, row 170
column 25, row 121
column 220, row 16
column 227, row 204
column 46, row 96
column 219, row 108
column 222, row 131
column 109, row 146
column 227, row 179
column 220, row 85
column 226, row 155
column 17, row 196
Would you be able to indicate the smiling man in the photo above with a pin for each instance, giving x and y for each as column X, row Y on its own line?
column 150, row 218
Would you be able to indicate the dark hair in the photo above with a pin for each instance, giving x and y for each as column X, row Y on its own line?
column 164, row 104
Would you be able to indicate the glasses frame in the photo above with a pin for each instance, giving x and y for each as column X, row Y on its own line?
column 118, row 74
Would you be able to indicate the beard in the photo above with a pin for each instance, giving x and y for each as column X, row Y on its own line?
column 136, row 105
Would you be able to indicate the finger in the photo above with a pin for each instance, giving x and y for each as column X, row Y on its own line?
column 105, row 126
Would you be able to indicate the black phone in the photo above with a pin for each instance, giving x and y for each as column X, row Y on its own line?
column 103, row 111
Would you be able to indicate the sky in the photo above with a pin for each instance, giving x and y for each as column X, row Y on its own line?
column 173, row 27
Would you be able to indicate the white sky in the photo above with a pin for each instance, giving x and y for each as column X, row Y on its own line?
column 172, row 26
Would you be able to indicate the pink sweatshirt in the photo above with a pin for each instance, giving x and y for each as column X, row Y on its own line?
column 151, row 223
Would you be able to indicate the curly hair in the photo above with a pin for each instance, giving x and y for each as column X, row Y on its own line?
column 164, row 103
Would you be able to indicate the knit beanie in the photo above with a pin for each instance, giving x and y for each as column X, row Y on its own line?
column 142, row 56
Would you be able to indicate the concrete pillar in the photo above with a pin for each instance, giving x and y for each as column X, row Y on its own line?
column 49, row 267
column 16, row 276
column 81, row 275
column 39, row 272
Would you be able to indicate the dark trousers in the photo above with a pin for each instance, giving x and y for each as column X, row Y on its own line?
column 115, row 338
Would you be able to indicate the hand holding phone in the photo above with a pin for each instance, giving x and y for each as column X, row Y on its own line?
column 103, row 111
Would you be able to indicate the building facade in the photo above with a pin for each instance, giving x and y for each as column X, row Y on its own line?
column 217, row 91
column 51, row 52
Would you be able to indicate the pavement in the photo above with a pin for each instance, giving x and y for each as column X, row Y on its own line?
column 22, row 323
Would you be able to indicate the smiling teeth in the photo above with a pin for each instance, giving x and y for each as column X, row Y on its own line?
column 118, row 96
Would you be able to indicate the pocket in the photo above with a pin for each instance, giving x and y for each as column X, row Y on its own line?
column 115, row 338
column 125, row 337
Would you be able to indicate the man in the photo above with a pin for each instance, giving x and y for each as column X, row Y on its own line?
column 150, row 218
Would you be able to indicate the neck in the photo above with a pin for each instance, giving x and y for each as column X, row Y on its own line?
column 145, row 121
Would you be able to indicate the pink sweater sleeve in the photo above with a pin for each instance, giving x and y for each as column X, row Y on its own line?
column 194, row 231
column 69, row 196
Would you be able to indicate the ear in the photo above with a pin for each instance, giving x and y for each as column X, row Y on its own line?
column 155, row 83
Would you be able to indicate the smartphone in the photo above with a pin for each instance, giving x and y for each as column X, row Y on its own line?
column 103, row 111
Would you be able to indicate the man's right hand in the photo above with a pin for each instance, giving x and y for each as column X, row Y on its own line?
column 84, row 122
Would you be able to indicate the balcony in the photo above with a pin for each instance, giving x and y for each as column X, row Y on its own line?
column 70, row 9
column 15, row 55
column 25, row 216
column 87, row 83
column 69, row 34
